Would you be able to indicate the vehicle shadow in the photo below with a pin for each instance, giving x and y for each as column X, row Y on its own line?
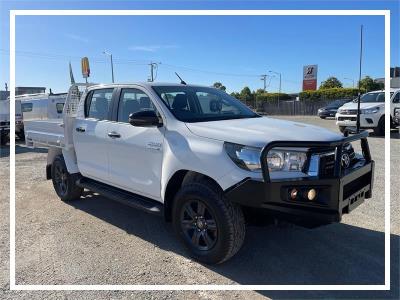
column 20, row 148
column 394, row 134
column 333, row 254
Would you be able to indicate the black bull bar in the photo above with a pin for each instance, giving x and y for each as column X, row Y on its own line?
column 338, row 193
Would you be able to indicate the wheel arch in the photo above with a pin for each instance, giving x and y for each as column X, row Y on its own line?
column 178, row 179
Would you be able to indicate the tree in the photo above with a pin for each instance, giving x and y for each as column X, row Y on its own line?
column 260, row 92
column 220, row 86
column 246, row 94
column 235, row 95
column 331, row 82
column 369, row 84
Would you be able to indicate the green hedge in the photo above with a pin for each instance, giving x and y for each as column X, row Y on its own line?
column 334, row 93
column 272, row 96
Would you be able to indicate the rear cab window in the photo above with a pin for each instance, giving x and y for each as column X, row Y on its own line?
column 98, row 104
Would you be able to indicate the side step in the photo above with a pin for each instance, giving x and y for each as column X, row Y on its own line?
column 119, row 195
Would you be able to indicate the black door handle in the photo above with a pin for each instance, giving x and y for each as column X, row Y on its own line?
column 80, row 129
column 114, row 135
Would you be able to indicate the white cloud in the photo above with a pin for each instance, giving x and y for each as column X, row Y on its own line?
column 77, row 38
column 152, row 48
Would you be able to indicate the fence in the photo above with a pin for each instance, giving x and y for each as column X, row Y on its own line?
column 290, row 107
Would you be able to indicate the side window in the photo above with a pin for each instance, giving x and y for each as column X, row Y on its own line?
column 59, row 107
column 26, row 107
column 396, row 98
column 98, row 103
column 131, row 101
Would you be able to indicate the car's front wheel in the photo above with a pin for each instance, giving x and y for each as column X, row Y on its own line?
column 380, row 129
column 64, row 183
column 209, row 225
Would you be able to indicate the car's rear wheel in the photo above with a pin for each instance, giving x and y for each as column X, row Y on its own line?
column 64, row 183
column 210, row 226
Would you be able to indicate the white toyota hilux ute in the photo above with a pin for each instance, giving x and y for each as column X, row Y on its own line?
column 372, row 114
column 201, row 159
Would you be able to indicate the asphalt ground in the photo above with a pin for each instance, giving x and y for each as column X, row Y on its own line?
column 98, row 241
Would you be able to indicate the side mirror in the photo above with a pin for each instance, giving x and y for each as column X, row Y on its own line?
column 145, row 118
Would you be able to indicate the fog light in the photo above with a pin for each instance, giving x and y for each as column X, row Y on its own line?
column 293, row 194
column 312, row 194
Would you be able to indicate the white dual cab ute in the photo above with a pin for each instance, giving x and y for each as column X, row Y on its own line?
column 201, row 159
column 372, row 114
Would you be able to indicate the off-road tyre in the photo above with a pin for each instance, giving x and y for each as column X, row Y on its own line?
column 64, row 183
column 380, row 129
column 226, row 217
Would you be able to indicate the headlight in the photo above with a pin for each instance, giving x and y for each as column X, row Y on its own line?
column 286, row 160
column 397, row 112
column 369, row 111
column 247, row 158
column 278, row 159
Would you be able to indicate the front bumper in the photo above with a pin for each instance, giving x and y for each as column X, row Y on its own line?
column 366, row 121
column 326, row 113
column 337, row 195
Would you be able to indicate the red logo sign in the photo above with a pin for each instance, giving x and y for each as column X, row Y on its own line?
column 309, row 85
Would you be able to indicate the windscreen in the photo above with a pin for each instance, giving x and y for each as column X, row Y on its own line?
column 200, row 104
column 373, row 97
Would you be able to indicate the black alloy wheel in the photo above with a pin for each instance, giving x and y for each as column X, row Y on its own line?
column 199, row 225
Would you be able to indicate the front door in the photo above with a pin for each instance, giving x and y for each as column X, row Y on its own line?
column 90, row 135
column 135, row 153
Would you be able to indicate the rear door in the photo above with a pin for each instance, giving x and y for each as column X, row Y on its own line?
column 135, row 153
column 90, row 135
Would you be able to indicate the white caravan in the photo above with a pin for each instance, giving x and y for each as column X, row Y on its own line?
column 38, row 107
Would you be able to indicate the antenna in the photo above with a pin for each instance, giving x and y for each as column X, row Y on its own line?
column 359, row 80
column 71, row 75
column 182, row 82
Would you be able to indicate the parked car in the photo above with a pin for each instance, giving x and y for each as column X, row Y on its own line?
column 372, row 111
column 331, row 109
column 199, row 157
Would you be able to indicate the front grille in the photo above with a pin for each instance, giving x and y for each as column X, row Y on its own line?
column 327, row 165
column 348, row 111
column 347, row 118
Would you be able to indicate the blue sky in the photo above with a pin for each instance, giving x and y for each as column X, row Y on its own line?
column 202, row 49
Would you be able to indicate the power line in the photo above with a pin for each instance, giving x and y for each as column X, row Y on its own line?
column 120, row 61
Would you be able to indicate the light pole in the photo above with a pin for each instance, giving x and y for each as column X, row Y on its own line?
column 153, row 66
column 280, row 83
column 263, row 78
column 352, row 80
column 112, row 64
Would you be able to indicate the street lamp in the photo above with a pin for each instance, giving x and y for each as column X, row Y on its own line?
column 112, row 64
column 280, row 83
column 352, row 80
